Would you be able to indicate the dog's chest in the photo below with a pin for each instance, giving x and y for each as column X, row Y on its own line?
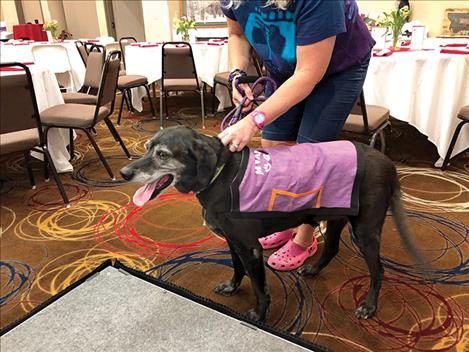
column 211, row 223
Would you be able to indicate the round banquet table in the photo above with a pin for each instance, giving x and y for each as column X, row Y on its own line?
column 21, row 52
column 425, row 88
column 48, row 94
column 145, row 59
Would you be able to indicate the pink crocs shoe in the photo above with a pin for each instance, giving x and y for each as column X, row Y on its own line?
column 291, row 256
column 276, row 239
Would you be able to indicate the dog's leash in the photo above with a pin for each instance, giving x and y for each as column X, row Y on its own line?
column 237, row 113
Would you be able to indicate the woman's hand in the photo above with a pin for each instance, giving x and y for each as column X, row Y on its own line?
column 238, row 97
column 238, row 135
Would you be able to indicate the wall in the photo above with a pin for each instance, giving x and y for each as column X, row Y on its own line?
column 32, row 11
column 8, row 13
column 157, row 20
column 101, row 13
column 55, row 11
column 429, row 12
column 82, row 18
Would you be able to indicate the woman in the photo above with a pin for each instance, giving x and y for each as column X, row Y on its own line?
column 318, row 52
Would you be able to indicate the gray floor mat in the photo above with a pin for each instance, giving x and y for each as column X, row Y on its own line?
column 115, row 311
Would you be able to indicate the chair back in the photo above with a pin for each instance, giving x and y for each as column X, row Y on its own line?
column 123, row 42
column 94, row 69
column 360, row 109
column 52, row 56
column 178, row 62
column 108, row 84
column 18, row 110
column 82, row 51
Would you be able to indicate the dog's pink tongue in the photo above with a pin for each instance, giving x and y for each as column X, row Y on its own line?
column 143, row 194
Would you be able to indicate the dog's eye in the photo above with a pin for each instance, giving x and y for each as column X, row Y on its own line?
column 162, row 155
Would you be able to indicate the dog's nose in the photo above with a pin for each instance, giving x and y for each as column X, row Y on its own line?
column 127, row 173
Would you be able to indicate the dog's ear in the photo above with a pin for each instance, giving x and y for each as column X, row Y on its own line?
column 204, row 150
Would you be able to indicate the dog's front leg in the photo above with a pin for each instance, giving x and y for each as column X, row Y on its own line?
column 253, row 262
column 230, row 287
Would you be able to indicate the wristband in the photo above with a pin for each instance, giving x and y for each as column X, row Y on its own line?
column 235, row 74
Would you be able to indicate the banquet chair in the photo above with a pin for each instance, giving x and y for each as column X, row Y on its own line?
column 85, row 117
column 20, row 127
column 82, row 50
column 126, row 82
column 179, row 74
column 222, row 77
column 55, row 58
column 463, row 115
column 87, row 94
column 368, row 120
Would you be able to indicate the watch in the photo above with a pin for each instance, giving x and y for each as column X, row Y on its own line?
column 259, row 119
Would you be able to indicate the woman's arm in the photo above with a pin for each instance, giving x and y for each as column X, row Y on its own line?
column 238, row 46
column 239, row 53
column 312, row 63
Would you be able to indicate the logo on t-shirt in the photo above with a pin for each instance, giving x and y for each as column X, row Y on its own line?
column 272, row 34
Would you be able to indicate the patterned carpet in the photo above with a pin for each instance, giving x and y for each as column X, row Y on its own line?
column 45, row 247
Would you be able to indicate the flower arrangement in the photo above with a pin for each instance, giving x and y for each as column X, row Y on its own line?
column 52, row 27
column 394, row 20
column 183, row 25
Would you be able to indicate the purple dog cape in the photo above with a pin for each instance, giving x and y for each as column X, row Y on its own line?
column 311, row 178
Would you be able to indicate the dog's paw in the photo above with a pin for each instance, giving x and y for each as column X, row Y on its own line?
column 226, row 289
column 307, row 270
column 365, row 310
column 253, row 315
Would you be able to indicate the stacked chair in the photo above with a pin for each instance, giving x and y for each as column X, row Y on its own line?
column 20, row 126
column 127, row 82
column 85, row 117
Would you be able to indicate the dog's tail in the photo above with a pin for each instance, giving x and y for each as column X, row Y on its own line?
column 400, row 220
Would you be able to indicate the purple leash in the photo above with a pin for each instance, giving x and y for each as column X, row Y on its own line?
column 236, row 114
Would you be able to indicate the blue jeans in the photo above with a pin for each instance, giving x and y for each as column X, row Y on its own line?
column 320, row 117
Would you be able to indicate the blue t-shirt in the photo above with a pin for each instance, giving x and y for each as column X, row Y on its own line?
column 275, row 33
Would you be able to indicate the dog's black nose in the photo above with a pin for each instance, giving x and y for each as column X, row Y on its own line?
column 127, row 173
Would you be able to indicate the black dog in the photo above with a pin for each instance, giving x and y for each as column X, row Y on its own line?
column 197, row 163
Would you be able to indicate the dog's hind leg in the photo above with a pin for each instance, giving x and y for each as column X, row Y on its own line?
column 230, row 287
column 332, row 239
column 369, row 246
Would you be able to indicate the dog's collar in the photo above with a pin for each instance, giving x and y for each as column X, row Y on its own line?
column 217, row 173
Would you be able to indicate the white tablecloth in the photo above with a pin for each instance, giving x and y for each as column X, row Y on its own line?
column 146, row 61
column 48, row 94
column 425, row 89
column 22, row 53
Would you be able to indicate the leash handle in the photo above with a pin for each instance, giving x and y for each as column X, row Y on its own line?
column 236, row 114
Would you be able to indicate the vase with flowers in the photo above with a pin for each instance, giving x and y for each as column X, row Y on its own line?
column 183, row 25
column 394, row 21
column 52, row 27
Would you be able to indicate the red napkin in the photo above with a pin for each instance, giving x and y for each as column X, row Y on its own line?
column 453, row 45
column 453, row 51
column 16, row 68
column 381, row 53
column 400, row 49
column 216, row 44
column 135, row 44
column 92, row 40
column 11, row 69
column 148, row 45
